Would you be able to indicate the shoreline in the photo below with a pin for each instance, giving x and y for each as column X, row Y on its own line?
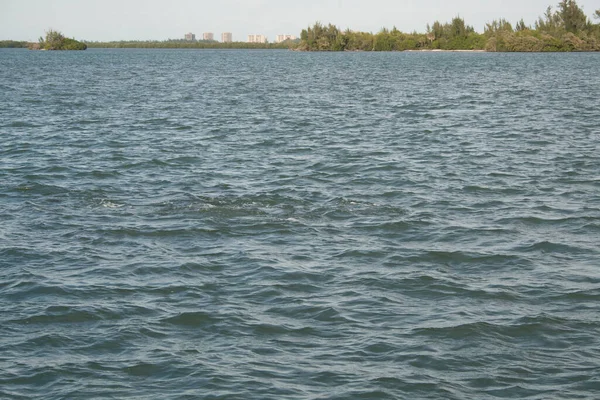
column 446, row 51
column 315, row 51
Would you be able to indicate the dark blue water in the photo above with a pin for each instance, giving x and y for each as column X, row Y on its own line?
column 279, row 225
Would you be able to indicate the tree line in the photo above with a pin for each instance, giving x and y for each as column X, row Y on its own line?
column 52, row 43
column 13, row 44
column 182, row 44
column 565, row 29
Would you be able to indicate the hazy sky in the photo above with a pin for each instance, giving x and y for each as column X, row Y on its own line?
column 160, row 19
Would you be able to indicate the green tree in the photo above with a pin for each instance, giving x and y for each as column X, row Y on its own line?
column 438, row 30
column 383, row 41
column 573, row 18
column 520, row 27
column 496, row 26
column 54, row 40
column 549, row 23
column 458, row 28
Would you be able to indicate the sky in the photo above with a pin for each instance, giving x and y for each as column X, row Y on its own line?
column 107, row 20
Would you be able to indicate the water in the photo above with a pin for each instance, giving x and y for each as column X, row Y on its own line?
column 278, row 225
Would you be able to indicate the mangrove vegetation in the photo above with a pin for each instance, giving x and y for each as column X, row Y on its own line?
column 55, row 40
column 13, row 44
column 566, row 28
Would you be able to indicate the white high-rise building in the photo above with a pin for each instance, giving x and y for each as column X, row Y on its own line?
column 226, row 37
column 283, row 38
column 257, row 39
column 190, row 37
column 208, row 36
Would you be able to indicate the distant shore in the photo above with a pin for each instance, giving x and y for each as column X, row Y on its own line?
column 564, row 29
column 446, row 51
column 182, row 44
column 32, row 46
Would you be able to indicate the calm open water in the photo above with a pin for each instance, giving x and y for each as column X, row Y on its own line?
column 276, row 225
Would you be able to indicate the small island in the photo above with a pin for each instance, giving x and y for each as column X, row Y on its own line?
column 57, row 41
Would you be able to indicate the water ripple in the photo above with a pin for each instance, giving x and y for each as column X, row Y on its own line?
column 268, row 225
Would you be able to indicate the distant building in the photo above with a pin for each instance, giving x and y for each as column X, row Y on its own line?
column 226, row 37
column 208, row 36
column 257, row 39
column 190, row 37
column 283, row 38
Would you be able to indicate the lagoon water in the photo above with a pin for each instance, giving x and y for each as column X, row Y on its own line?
column 184, row 224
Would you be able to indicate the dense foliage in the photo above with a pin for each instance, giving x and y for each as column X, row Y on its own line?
column 57, row 41
column 9, row 44
column 566, row 29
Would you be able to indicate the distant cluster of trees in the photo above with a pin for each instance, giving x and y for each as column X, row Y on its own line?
column 565, row 29
column 182, row 44
column 55, row 40
column 455, row 35
column 13, row 44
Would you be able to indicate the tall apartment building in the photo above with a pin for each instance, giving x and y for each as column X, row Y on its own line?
column 226, row 37
column 283, row 38
column 257, row 39
column 190, row 37
column 208, row 36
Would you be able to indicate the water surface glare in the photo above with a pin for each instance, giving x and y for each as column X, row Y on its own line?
column 183, row 224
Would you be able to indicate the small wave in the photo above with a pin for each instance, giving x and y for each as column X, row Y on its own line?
column 493, row 190
column 553, row 247
column 49, row 340
column 273, row 329
column 41, row 189
column 465, row 258
column 461, row 331
column 69, row 316
column 24, row 289
column 143, row 370
column 21, row 124
column 541, row 221
column 109, row 204
column 192, row 319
